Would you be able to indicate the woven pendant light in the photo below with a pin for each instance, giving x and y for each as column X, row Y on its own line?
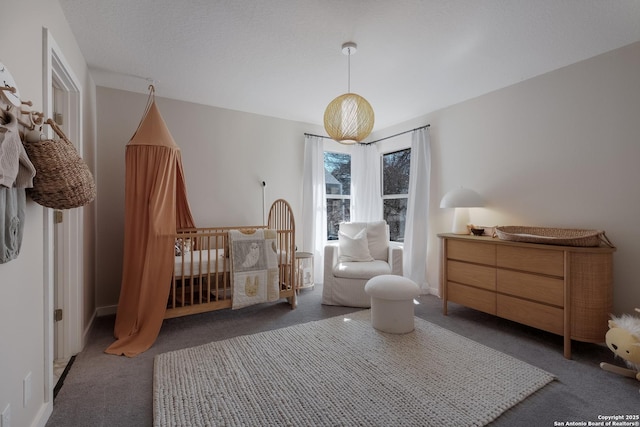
column 349, row 118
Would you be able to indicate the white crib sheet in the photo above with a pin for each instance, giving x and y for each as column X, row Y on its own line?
column 200, row 262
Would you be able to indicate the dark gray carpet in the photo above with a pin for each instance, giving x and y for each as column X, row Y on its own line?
column 107, row 390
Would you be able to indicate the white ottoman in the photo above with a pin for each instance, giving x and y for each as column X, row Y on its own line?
column 392, row 303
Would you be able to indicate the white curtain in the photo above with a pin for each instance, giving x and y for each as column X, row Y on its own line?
column 314, row 209
column 366, row 199
column 415, row 233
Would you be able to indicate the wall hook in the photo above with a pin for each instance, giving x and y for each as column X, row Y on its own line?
column 8, row 88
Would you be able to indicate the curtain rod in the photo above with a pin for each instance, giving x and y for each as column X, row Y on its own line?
column 377, row 140
column 398, row 134
column 317, row 136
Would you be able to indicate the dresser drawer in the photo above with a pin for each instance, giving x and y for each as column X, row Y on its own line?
column 481, row 253
column 539, row 316
column 472, row 274
column 544, row 261
column 478, row 299
column 543, row 289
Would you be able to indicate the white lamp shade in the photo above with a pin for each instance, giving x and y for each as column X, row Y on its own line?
column 461, row 198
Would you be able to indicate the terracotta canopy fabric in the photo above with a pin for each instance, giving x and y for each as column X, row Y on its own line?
column 155, row 206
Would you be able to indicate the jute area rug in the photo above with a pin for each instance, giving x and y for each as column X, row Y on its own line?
column 340, row 372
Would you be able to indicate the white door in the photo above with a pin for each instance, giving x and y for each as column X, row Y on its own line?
column 63, row 241
column 59, row 276
column 67, row 237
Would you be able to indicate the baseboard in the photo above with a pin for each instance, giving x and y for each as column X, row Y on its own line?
column 431, row 290
column 87, row 330
column 106, row 311
column 43, row 415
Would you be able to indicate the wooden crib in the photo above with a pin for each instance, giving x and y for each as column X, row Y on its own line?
column 202, row 278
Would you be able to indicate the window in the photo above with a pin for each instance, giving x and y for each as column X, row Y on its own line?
column 395, row 191
column 337, row 177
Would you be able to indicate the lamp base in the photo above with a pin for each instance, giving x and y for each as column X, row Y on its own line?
column 460, row 220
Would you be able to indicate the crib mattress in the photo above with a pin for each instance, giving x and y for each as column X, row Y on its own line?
column 196, row 263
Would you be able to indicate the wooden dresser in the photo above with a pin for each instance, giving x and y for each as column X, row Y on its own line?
column 561, row 289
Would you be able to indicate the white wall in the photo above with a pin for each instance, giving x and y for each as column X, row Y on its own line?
column 22, row 287
column 226, row 154
column 559, row 150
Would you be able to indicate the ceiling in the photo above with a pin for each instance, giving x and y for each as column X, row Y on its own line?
column 283, row 58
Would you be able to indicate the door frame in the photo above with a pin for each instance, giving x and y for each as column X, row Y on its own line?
column 57, row 69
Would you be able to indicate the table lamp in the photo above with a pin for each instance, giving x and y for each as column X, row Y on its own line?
column 460, row 199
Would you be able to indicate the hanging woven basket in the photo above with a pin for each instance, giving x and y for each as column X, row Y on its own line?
column 63, row 180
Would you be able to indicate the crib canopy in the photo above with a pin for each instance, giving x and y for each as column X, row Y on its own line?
column 155, row 206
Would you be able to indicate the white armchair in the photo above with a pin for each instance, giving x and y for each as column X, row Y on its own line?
column 363, row 251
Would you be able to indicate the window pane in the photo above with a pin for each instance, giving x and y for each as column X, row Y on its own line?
column 338, row 210
column 337, row 173
column 395, row 172
column 395, row 213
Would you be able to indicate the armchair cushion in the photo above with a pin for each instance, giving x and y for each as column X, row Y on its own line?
column 353, row 247
column 377, row 235
column 361, row 270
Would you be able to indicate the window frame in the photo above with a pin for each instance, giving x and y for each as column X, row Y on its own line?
column 328, row 196
column 384, row 196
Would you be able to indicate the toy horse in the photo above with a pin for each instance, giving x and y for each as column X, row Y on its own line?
column 623, row 338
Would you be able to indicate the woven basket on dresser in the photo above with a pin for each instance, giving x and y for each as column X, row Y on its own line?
column 553, row 236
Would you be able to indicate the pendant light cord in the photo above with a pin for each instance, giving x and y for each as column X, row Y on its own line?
column 349, row 70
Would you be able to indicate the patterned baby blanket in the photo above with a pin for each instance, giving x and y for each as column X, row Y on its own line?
column 254, row 267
